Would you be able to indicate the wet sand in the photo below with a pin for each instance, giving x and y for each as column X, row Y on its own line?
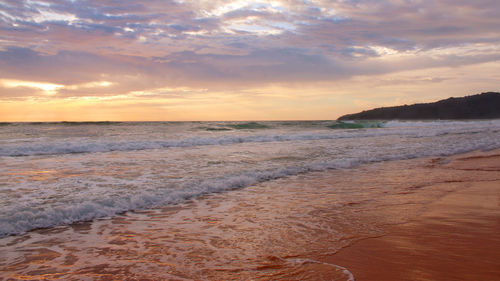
column 456, row 238
column 422, row 219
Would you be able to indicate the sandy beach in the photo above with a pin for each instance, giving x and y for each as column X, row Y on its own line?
column 249, row 140
column 457, row 237
column 422, row 219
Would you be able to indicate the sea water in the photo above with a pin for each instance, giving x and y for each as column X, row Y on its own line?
column 58, row 173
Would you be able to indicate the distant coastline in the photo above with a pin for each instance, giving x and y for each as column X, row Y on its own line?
column 480, row 106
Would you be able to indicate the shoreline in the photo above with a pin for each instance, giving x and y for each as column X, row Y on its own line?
column 456, row 238
column 315, row 226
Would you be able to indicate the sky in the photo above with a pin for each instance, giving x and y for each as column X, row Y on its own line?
column 160, row 60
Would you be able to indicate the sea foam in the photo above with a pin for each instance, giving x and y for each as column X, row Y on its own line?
column 21, row 219
column 91, row 187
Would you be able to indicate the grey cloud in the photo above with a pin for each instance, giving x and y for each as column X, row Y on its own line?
column 401, row 25
column 359, row 52
column 321, row 46
column 61, row 68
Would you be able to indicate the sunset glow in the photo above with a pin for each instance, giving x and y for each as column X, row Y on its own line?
column 93, row 60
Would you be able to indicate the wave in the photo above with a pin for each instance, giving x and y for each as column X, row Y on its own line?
column 216, row 129
column 88, row 145
column 21, row 218
column 248, row 126
column 215, row 126
column 356, row 125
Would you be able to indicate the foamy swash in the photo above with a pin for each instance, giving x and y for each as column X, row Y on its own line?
column 249, row 161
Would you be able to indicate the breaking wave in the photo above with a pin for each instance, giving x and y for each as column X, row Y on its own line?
column 21, row 218
column 89, row 145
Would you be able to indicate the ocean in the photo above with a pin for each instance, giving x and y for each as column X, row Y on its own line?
column 232, row 200
column 54, row 174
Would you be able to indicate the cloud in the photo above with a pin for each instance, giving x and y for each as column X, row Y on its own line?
column 155, row 44
column 145, row 28
column 20, row 93
column 64, row 67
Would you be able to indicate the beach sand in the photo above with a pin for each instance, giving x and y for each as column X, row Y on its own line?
column 422, row 219
column 457, row 237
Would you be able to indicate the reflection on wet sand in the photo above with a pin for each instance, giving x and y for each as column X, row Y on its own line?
column 456, row 238
column 296, row 228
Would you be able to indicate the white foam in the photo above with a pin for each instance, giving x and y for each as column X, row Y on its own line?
column 22, row 218
column 91, row 196
column 439, row 123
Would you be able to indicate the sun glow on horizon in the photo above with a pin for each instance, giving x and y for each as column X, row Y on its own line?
column 47, row 88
